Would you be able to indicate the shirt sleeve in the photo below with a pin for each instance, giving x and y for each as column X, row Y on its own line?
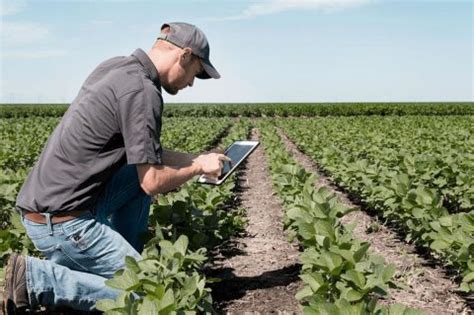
column 139, row 119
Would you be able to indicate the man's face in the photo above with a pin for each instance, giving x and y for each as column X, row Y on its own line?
column 182, row 73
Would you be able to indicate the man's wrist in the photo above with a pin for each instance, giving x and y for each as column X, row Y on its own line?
column 196, row 168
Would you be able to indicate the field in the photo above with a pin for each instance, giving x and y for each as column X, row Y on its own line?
column 343, row 209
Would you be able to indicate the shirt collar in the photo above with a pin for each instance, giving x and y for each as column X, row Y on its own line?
column 148, row 65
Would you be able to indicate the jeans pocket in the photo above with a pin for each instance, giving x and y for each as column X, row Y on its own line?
column 35, row 230
column 81, row 235
column 98, row 248
column 46, row 245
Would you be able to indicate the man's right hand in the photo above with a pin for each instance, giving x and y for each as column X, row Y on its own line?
column 210, row 164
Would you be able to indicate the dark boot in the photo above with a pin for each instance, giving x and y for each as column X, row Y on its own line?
column 15, row 294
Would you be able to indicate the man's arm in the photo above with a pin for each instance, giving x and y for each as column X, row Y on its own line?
column 155, row 179
column 177, row 159
column 180, row 159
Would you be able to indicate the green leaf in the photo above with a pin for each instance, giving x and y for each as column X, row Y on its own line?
column 125, row 281
column 418, row 212
column 106, row 305
column 132, row 264
column 304, row 293
column 469, row 277
column 355, row 277
column 359, row 254
column 181, row 244
column 167, row 300
column 306, row 230
column 388, row 272
column 446, row 221
column 149, row 306
column 439, row 245
column 353, row 295
column 314, row 280
column 15, row 220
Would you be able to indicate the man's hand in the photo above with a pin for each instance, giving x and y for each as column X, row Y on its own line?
column 211, row 164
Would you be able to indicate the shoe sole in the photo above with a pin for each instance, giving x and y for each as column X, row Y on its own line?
column 9, row 305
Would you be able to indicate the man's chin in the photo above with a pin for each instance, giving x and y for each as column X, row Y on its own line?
column 171, row 91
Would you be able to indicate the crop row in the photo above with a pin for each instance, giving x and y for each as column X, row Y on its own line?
column 340, row 275
column 184, row 225
column 22, row 142
column 266, row 109
column 416, row 172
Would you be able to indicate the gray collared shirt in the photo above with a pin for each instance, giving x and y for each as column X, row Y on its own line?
column 115, row 119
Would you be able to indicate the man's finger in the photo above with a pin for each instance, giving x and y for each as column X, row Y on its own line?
column 223, row 157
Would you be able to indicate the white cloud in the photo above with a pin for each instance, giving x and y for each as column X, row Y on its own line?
column 15, row 33
column 9, row 7
column 33, row 54
column 277, row 6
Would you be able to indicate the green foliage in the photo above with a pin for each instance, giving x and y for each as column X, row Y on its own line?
column 185, row 223
column 265, row 109
column 417, row 172
column 340, row 276
column 199, row 212
column 165, row 281
column 168, row 279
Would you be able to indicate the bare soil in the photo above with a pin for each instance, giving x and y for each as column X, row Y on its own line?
column 259, row 271
column 427, row 287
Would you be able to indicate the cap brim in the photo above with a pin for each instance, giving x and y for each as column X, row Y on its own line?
column 209, row 71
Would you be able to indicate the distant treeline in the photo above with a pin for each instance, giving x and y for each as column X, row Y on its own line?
column 266, row 109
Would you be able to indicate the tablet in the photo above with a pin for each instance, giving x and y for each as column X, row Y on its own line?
column 238, row 152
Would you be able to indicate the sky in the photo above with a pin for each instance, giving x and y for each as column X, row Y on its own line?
column 265, row 50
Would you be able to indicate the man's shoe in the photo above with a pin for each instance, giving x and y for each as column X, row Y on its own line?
column 15, row 294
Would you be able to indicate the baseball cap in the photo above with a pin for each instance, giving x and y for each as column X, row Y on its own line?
column 187, row 35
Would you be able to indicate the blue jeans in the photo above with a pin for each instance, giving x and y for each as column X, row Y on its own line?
column 84, row 252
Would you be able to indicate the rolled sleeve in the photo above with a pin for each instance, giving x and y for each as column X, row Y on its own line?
column 139, row 118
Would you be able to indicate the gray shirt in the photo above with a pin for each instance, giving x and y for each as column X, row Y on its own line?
column 115, row 119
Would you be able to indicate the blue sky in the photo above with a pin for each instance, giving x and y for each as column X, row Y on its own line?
column 266, row 51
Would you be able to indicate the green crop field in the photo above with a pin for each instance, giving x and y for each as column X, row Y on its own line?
column 409, row 165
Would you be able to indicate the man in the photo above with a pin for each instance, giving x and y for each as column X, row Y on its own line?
column 86, row 201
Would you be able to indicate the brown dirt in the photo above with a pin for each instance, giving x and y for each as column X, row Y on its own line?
column 259, row 271
column 427, row 286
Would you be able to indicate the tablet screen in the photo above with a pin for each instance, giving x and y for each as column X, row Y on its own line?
column 237, row 152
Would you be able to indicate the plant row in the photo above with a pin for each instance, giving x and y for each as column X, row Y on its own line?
column 266, row 109
column 416, row 172
column 340, row 275
column 183, row 226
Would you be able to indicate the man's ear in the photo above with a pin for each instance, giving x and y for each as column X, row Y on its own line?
column 186, row 54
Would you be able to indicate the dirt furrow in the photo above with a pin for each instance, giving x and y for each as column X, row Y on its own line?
column 259, row 270
column 427, row 286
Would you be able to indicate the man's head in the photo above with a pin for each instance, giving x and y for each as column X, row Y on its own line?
column 180, row 54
